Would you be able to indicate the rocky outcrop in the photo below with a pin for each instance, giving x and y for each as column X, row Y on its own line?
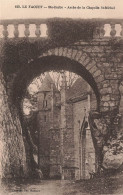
column 12, row 150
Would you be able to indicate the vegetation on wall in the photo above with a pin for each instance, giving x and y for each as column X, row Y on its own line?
column 116, row 44
column 61, row 32
column 66, row 31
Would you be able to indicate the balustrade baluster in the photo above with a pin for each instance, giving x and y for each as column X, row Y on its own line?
column 96, row 33
column 102, row 31
column 44, row 30
column 38, row 31
column 113, row 31
column 5, row 31
column 121, row 33
column 16, row 31
column 1, row 31
column 27, row 31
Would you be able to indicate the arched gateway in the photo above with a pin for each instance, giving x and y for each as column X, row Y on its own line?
column 98, row 60
column 73, row 60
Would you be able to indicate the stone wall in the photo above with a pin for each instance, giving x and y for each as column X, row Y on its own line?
column 103, row 62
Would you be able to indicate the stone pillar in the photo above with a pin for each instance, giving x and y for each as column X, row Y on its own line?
column 44, row 138
column 55, row 170
column 90, row 155
column 63, row 121
column 55, row 161
column 67, row 135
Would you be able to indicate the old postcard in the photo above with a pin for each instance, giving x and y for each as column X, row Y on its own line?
column 61, row 97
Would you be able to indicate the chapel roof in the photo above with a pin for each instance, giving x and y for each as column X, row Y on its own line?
column 46, row 84
column 79, row 88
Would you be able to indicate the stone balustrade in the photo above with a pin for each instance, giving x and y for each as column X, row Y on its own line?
column 111, row 29
column 32, row 28
column 23, row 28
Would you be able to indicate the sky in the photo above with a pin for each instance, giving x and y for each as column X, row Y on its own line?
column 8, row 10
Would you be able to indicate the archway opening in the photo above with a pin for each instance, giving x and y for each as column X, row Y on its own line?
column 59, row 111
column 55, row 63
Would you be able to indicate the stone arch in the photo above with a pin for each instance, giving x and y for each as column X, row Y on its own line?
column 88, row 69
column 108, row 97
column 45, row 63
column 83, row 64
column 87, row 62
column 79, row 61
column 81, row 57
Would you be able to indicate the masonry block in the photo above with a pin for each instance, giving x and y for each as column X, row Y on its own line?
column 99, row 79
column 69, row 53
column 65, row 51
column 105, row 91
column 50, row 52
column 106, row 98
column 78, row 55
column 97, row 73
column 56, row 52
column 60, row 51
column 93, row 69
column 74, row 53
column 90, row 65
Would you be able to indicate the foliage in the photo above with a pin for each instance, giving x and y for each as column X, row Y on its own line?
column 116, row 44
column 61, row 32
column 66, row 31
column 115, row 145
